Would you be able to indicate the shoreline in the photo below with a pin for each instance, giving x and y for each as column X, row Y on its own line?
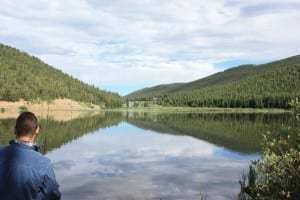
column 59, row 109
column 57, row 104
column 206, row 110
column 12, row 109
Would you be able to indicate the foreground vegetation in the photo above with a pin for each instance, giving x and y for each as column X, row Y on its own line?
column 26, row 77
column 270, row 85
column 277, row 174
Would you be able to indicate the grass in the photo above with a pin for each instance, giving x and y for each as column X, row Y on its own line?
column 2, row 110
column 23, row 109
column 204, row 110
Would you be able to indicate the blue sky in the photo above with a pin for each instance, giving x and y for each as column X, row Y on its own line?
column 126, row 45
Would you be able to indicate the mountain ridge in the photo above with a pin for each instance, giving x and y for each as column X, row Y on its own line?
column 276, row 79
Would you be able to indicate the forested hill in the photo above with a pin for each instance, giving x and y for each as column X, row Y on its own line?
column 26, row 77
column 257, row 86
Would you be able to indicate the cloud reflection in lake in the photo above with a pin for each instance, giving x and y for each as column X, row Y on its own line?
column 125, row 162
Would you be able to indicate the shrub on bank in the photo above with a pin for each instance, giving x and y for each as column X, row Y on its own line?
column 23, row 109
column 277, row 174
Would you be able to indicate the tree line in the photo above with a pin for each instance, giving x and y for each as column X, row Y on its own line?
column 26, row 77
column 270, row 85
column 270, row 90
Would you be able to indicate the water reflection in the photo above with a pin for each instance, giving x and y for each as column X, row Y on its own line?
column 238, row 132
column 151, row 156
column 54, row 133
column 125, row 162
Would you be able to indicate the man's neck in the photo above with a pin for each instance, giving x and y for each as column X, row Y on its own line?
column 32, row 144
column 25, row 139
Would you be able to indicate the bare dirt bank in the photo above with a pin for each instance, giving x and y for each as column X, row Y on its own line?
column 59, row 109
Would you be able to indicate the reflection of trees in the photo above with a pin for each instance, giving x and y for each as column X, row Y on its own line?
column 238, row 132
column 6, row 130
column 54, row 134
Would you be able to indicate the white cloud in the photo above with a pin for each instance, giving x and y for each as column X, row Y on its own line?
column 142, row 43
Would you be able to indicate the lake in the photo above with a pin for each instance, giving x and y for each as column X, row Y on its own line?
column 128, row 155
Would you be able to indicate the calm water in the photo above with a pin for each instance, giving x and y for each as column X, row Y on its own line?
column 152, row 156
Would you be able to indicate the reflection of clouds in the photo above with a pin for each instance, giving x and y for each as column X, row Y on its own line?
column 64, row 164
column 232, row 154
column 89, row 154
column 197, row 175
column 108, row 171
column 139, row 164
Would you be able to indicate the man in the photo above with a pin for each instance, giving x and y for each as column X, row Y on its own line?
column 24, row 172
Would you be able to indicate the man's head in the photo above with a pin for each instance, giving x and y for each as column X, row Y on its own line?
column 26, row 125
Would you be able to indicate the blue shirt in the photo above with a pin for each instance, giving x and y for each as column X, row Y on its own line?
column 26, row 174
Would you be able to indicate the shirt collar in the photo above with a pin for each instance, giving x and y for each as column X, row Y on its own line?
column 35, row 146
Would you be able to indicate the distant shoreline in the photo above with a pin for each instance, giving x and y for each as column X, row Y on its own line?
column 206, row 110
column 61, row 105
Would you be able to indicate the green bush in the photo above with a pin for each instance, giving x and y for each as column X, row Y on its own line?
column 277, row 173
column 23, row 109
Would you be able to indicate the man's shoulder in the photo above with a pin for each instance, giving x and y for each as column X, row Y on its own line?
column 29, row 155
column 40, row 157
column 3, row 148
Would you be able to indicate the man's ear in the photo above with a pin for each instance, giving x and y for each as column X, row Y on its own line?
column 15, row 131
column 37, row 130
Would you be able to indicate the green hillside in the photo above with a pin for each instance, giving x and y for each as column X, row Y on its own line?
column 27, row 77
column 270, row 85
column 155, row 91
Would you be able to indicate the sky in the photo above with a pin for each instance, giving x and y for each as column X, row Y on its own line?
column 125, row 45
